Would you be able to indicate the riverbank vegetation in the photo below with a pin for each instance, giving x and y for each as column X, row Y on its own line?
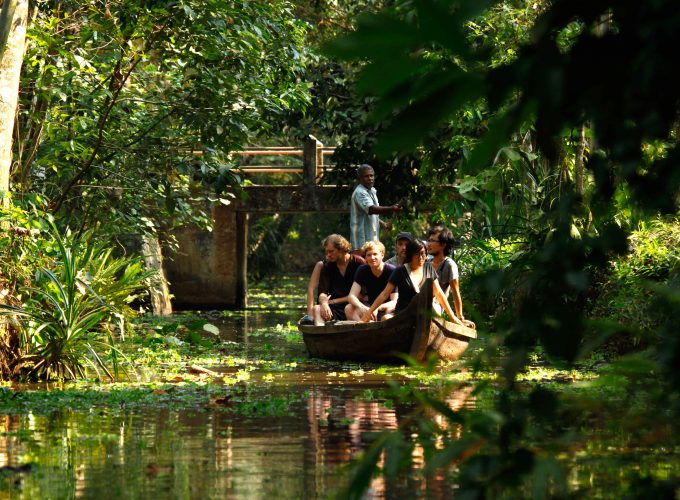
column 540, row 105
column 545, row 134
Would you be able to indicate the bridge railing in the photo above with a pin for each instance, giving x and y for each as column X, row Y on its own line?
column 313, row 156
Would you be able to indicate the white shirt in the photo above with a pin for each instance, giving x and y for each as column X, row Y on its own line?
column 363, row 226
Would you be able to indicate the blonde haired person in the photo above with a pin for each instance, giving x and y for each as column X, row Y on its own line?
column 409, row 279
column 374, row 276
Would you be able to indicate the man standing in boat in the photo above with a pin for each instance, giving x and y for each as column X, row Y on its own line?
column 439, row 246
column 335, row 279
column 364, row 209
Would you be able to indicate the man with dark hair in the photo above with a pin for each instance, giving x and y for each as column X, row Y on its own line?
column 400, row 243
column 440, row 243
column 335, row 279
column 364, row 209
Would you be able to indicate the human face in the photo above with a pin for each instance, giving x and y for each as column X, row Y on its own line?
column 374, row 258
column 434, row 247
column 367, row 178
column 418, row 259
column 332, row 253
column 400, row 248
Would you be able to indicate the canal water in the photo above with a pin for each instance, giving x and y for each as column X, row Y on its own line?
column 283, row 428
column 266, row 421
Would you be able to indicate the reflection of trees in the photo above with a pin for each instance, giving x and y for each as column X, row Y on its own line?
column 9, row 424
column 436, row 485
column 340, row 426
column 337, row 424
column 204, row 453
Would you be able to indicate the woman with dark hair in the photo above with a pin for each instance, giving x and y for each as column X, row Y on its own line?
column 409, row 279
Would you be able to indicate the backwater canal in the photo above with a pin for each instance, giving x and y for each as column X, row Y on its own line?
column 269, row 422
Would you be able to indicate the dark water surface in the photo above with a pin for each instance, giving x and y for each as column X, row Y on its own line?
column 273, row 424
column 308, row 420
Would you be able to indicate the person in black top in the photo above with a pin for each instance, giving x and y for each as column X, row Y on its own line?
column 373, row 276
column 335, row 279
column 409, row 279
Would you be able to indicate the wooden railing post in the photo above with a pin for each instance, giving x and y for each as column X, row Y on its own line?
column 319, row 161
column 242, row 259
column 312, row 158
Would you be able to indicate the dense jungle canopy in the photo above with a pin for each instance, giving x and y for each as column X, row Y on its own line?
column 554, row 126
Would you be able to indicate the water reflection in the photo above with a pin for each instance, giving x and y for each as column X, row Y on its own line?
column 209, row 452
column 191, row 454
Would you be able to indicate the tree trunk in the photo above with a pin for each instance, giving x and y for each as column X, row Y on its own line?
column 10, row 70
column 13, row 27
column 159, row 292
column 6, row 17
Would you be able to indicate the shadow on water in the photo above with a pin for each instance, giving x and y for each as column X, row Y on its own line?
column 305, row 419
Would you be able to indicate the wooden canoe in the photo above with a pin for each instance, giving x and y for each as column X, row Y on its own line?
column 416, row 331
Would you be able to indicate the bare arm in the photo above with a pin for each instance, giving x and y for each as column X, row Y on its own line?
column 325, row 301
column 325, row 310
column 311, row 288
column 441, row 298
column 458, row 304
column 391, row 209
column 389, row 306
column 457, row 299
column 384, row 295
column 353, row 297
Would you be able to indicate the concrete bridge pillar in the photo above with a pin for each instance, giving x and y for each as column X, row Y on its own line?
column 210, row 269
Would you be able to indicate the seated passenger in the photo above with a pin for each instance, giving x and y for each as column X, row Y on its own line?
column 335, row 279
column 409, row 279
column 400, row 243
column 439, row 246
column 308, row 319
column 374, row 276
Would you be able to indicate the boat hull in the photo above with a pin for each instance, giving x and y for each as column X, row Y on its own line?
column 415, row 332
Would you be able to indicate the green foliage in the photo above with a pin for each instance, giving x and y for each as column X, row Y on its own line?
column 503, row 199
column 69, row 317
column 654, row 252
column 118, row 98
column 268, row 233
column 290, row 243
column 577, row 71
column 626, row 292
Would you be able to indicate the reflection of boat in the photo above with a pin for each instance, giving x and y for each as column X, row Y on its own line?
column 415, row 331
